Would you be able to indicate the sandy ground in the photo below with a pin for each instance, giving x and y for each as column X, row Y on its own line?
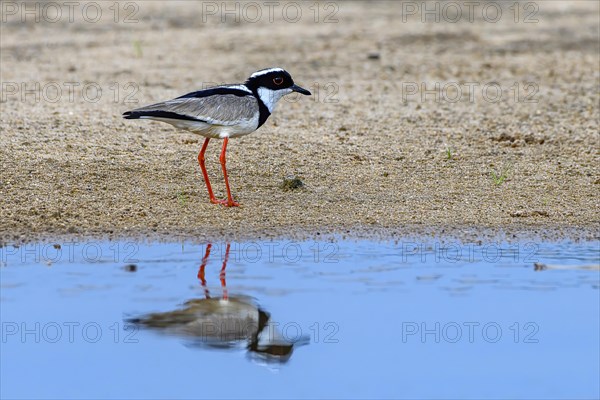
column 373, row 155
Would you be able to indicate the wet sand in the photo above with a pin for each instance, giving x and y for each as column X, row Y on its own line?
column 374, row 156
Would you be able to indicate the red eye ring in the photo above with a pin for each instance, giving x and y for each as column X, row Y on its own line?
column 278, row 80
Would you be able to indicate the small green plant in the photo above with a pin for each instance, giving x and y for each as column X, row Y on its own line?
column 137, row 48
column 182, row 198
column 291, row 183
column 500, row 177
column 448, row 153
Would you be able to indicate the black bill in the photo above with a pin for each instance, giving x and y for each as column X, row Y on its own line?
column 298, row 89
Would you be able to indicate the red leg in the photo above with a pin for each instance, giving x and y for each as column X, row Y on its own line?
column 222, row 274
column 230, row 202
column 205, row 174
column 201, row 270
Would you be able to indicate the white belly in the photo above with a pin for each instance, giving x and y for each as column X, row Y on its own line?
column 243, row 127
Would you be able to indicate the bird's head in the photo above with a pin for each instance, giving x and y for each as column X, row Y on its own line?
column 272, row 84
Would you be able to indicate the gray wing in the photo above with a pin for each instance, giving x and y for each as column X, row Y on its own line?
column 224, row 109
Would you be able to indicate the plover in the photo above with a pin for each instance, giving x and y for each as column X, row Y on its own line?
column 223, row 322
column 223, row 112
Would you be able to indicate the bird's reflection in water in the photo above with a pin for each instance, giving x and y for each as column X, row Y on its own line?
column 224, row 322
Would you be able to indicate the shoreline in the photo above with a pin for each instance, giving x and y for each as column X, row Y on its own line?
column 465, row 234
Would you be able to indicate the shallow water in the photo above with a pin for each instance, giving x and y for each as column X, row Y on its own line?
column 351, row 319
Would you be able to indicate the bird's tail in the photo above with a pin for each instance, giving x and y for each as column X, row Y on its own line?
column 132, row 114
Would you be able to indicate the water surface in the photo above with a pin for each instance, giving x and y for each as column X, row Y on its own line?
column 349, row 319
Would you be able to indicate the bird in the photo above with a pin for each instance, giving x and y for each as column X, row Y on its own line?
column 223, row 322
column 223, row 112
